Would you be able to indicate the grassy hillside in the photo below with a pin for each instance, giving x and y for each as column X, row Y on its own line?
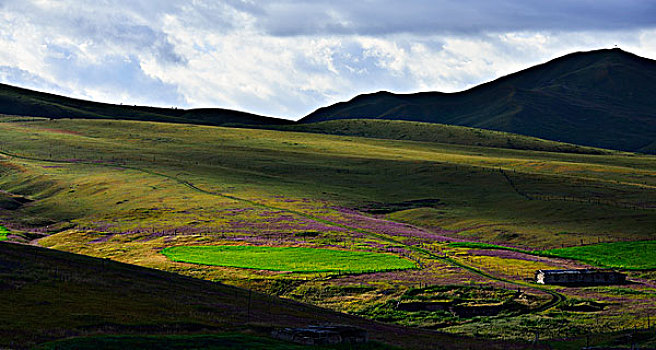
column 600, row 98
column 432, row 132
column 127, row 190
column 543, row 193
column 23, row 102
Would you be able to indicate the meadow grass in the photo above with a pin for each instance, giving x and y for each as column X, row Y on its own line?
column 3, row 233
column 638, row 255
column 532, row 195
column 622, row 255
column 295, row 259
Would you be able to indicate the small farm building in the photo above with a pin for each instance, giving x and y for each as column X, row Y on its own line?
column 579, row 277
column 323, row 335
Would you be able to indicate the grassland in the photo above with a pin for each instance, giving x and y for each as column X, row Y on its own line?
column 3, row 233
column 543, row 193
column 126, row 190
column 638, row 255
column 623, row 255
column 293, row 259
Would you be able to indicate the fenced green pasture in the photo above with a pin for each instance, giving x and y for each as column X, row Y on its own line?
column 294, row 259
column 3, row 233
column 638, row 255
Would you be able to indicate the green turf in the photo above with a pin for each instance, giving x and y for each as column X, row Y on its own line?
column 639, row 255
column 623, row 255
column 3, row 233
column 295, row 259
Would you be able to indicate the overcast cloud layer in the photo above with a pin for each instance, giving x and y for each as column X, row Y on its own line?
column 287, row 58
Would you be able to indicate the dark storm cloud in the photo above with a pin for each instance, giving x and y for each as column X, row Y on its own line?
column 296, row 17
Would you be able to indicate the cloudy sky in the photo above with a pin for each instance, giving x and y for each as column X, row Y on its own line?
column 285, row 58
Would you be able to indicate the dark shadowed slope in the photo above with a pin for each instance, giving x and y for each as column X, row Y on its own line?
column 441, row 133
column 23, row 102
column 603, row 98
column 48, row 294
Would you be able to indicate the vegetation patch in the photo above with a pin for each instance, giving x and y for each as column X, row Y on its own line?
column 623, row 255
column 581, row 305
column 480, row 245
column 639, row 255
column 3, row 233
column 295, row 259
column 386, row 208
column 448, row 305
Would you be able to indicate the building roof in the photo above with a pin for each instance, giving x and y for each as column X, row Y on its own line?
column 576, row 271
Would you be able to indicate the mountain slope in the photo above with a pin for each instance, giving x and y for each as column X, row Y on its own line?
column 24, row 102
column 603, row 98
column 435, row 132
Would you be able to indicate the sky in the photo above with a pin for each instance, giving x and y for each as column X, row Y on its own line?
column 286, row 58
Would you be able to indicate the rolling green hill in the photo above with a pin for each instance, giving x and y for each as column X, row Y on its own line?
column 23, row 102
column 602, row 98
column 434, row 132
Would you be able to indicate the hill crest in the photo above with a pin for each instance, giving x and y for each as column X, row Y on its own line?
column 24, row 102
column 603, row 98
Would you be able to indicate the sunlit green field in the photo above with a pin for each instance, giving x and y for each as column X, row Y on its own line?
column 622, row 255
column 294, row 259
column 638, row 255
column 3, row 233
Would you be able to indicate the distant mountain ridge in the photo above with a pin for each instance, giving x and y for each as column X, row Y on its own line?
column 603, row 98
column 24, row 102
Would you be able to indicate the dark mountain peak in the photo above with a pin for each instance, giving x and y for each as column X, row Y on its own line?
column 602, row 98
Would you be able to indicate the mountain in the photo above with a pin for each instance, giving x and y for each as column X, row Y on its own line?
column 602, row 98
column 23, row 102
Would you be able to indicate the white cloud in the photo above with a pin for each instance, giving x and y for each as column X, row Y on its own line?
column 286, row 58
